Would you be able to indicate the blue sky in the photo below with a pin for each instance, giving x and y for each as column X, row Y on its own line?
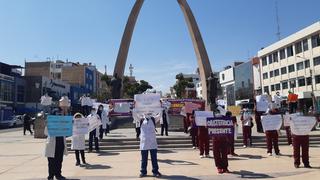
column 90, row 31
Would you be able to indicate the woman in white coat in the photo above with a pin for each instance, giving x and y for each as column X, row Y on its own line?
column 103, row 115
column 164, row 121
column 78, row 143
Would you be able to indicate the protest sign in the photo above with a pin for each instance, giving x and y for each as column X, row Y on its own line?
column 80, row 126
column 220, row 126
column 201, row 117
column 177, row 104
column 189, row 107
column 287, row 118
column 121, row 107
column 262, row 102
column 59, row 125
column 271, row 122
column 147, row 104
column 302, row 125
column 94, row 122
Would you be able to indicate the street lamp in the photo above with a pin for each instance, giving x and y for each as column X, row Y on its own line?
column 314, row 104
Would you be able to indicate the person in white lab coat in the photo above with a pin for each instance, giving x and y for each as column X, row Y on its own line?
column 78, row 143
column 93, row 135
column 103, row 114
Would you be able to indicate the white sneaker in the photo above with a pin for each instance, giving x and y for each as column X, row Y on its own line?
column 244, row 146
column 201, row 156
column 193, row 147
column 269, row 154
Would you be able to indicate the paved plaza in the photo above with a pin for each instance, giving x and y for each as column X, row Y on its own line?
column 21, row 157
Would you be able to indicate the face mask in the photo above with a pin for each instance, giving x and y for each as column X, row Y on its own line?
column 100, row 109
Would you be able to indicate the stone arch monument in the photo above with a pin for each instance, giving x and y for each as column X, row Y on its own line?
column 198, row 44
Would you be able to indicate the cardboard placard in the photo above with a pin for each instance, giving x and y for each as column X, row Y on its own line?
column 302, row 125
column 80, row 126
column 59, row 125
column 201, row 117
column 271, row 122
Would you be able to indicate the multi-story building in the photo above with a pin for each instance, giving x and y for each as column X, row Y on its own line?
column 293, row 63
column 12, row 87
column 243, row 83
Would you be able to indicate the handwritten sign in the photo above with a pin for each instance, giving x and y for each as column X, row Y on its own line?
column 80, row 126
column 262, row 102
column 302, row 125
column 94, row 122
column 59, row 125
column 201, row 117
column 220, row 126
column 271, row 122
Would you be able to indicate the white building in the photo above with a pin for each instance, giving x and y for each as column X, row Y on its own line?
column 293, row 63
column 226, row 78
column 199, row 90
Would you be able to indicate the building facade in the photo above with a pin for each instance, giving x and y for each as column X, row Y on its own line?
column 243, row 83
column 226, row 78
column 293, row 63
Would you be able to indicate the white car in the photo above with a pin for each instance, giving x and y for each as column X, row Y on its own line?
column 17, row 120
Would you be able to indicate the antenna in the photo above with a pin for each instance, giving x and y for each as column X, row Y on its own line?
column 277, row 19
column 131, row 70
column 105, row 69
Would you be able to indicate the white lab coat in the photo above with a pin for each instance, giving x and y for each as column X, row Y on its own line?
column 105, row 119
column 78, row 141
column 51, row 146
column 148, row 138
column 167, row 115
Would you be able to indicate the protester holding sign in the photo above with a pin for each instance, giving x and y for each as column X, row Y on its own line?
column 286, row 125
column 231, row 139
column 78, row 140
column 261, row 106
column 271, row 125
column 203, row 141
column 56, row 146
column 220, row 128
column 246, row 127
column 94, row 130
column 301, row 126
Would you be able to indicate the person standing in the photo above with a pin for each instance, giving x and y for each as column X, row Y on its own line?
column 26, row 124
column 93, row 135
column 185, row 119
column 203, row 141
column 64, row 104
column 193, row 130
column 292, row 102
column 148, row 143
column 287, row 128
column 272, row 136
column 78, row 143
column 103, row 115
column 246, row 120
column 261, row 106
column 231, row 139
column 83, row 101
column 164, row 122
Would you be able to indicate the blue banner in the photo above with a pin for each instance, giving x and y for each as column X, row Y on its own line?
column 59, row 125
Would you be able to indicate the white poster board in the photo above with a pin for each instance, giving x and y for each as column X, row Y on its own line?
column 271, row 122
column 94, row 122
column 302, row 125
column 201, row 117
column 287, row 118
column 80, row 126
column 147, row 104
column 262, row 102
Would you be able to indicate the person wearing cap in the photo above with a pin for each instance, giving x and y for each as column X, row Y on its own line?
column 246, row 120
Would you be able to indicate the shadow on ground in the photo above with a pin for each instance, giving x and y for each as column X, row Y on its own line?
column 95, row 166
column 166, row 151
column 106, row 153
column 251, row 175
column 176, row 162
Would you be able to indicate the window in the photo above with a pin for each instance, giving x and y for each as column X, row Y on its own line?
column 289, row 51
column 284, row 85
column 270, row 59
column 272, row 87
column 316, row 61
column 284, row 70
column 309, row 81
column 291, row 68
column 299, row 66
column 271, row 74
column 315, row 40
column 277, row 87
column 282, row 54
column 20, row 93
column 306, row 63
column 305, row 45
column 292, row 83
column 275, row 57
column 276, row 72
column 301, row 82
column 298, row 47
column 222, row 77
column 266, row 89
column 264, row 61
column 317, row 79
column 265, row 75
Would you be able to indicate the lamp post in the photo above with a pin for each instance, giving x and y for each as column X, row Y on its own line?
column 314, row 104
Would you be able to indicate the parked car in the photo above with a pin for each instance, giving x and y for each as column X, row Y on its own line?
column 17, row 120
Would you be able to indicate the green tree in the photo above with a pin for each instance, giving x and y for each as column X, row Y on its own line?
column 181, row 84
column 132, row 88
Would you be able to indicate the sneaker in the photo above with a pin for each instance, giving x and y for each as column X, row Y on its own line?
column 244, row 146
column 60, row 177
column 207, row 156
column 50, row 178
column 296, row 166
column 307, row 166
column 220, row 171
column 142, row 175
column 158, row 174
column 193, row 147
column 77, row 163
column 278, row 154
column 201, row 156
column 269, row 154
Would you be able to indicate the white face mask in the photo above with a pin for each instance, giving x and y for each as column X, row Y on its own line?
column 100, row 109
